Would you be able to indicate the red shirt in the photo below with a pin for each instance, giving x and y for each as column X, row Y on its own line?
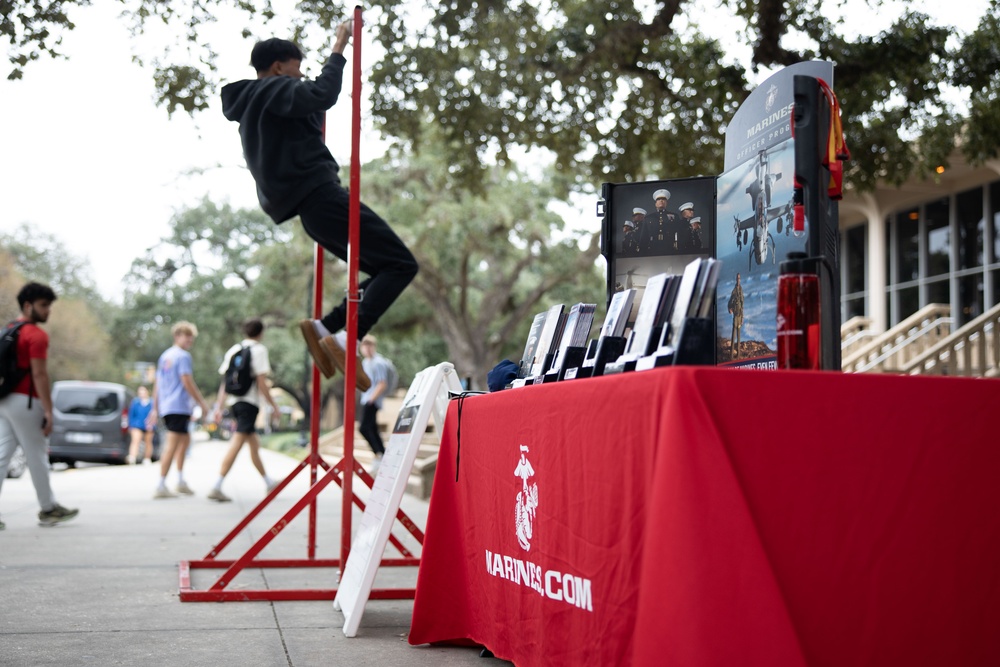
column 32, row 343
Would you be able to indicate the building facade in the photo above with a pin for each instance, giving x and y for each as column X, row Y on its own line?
column 932, row 241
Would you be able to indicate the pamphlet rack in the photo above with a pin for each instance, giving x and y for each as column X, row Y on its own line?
column 571, row 358
column 694, row 346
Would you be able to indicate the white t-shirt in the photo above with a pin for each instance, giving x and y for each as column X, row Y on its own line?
column 259, row 365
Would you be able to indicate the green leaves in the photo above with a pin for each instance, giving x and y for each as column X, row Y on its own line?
column 490, row 257
column 615, row 90
column 33, row 29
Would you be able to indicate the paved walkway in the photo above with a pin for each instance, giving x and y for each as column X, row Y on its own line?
column 103, row 588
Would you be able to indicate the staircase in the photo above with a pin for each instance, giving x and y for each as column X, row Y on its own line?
column 854, row 334
column 924, row 344
column 331, row 446
column 891, row 351
column 972, row 351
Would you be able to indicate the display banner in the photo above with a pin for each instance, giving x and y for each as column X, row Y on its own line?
column 754, row 233
column 765, row 117
column 428, row 393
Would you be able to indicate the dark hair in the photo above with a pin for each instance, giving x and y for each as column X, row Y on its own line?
column 272, row 51
column 33, row 292
column 253, row 327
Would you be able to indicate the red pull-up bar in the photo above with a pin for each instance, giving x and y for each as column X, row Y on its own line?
column 347, row 466
column 353, row 296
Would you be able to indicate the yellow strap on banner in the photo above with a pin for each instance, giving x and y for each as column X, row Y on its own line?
column 837, row 151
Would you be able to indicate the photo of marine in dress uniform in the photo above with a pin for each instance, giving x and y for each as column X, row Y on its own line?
column 690, row 237
column 660, row 237
column 630, row 239
column 644, row 241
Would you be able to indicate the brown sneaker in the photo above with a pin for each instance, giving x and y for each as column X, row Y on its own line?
column 319, row 355
column 339, row 356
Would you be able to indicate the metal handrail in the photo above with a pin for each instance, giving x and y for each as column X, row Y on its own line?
column 900, row 345
column 980, row 337
column 891, row 338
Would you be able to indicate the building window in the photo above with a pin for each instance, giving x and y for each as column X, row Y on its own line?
column 854, row 278
column 908, row 302
column 856, row 239
column 938, row 238
column 854, row 308
column 908, row 254
column 971, row 228
column 995, row 208
column 944, row 249
column 995, row 279
column 970, row 292
column 938, row 291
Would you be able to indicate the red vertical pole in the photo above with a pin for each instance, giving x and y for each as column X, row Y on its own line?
column 353, row 296
column 314, row 403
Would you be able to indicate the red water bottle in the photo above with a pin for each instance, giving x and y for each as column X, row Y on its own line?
column 798, row 313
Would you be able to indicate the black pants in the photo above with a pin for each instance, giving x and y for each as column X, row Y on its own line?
column 369, row 428
column 389, row 264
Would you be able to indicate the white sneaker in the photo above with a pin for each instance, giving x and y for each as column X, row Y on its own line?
column 219, row 496
column 164, row 492
column 182, row 487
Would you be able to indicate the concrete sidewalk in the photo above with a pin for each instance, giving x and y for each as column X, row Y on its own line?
column 102, row 589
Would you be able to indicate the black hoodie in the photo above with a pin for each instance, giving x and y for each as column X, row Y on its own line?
column 281, row 126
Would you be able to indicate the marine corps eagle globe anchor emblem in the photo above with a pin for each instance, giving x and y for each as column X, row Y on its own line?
column 527, row 501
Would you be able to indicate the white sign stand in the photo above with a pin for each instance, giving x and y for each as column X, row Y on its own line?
column 429, row 392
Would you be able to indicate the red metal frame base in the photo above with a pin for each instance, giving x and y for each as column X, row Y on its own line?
column 188, row 594
column 217, row 592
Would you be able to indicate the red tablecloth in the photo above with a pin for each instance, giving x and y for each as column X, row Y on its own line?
column 719, row 517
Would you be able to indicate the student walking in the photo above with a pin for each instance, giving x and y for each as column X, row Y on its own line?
column 174, row 397
column 245, row 407
column 377, row 368
column 26, row 412
column 139, row 428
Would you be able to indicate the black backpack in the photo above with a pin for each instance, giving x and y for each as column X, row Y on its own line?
column 239, row 377
column 10, row 374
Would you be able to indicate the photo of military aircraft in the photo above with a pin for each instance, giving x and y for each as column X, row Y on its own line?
column 754, row 231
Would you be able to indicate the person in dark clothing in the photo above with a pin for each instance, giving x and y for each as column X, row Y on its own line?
column 281, row 128
column 736, row 310
column 371, row 401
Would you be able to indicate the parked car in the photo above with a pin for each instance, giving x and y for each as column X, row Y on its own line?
column 17, row 464
column 90, row 422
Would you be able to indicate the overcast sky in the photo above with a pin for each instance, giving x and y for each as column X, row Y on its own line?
column 87, row 157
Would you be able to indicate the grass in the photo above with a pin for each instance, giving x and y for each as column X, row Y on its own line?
column 286, row 442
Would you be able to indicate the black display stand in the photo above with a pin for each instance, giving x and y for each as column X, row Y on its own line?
column 571, row 358
column 536, row 379
column 603, row 350
column 811, row 121
column 695, row 346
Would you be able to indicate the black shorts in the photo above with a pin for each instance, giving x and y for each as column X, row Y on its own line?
column 245, row 415
column 177, row 423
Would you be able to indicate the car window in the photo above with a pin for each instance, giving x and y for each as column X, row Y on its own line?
column 86, row 402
